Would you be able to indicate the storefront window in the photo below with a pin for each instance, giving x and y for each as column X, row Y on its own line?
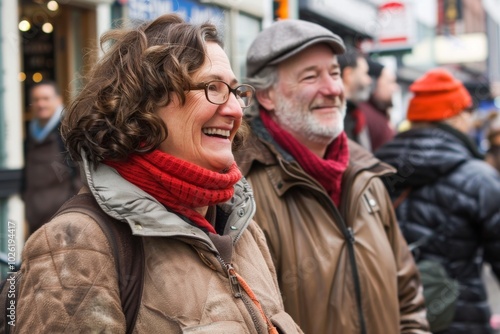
column 247, row 28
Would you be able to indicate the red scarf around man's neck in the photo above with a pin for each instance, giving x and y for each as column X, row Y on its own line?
column 328, row 171
column 179, row 185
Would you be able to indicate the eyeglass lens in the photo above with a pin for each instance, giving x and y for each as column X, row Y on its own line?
column 218, row 93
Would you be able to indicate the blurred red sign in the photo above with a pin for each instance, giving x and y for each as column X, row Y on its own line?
column 394, row 27
column 392, row 21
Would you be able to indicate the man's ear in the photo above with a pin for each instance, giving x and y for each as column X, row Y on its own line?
column 266, row 98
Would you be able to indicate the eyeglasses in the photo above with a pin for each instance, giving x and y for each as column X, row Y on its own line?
column 217, row 92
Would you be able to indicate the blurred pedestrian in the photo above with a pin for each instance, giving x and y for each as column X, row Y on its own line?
column 153, row 129
column 357, row 86
column 493, row 137
column 452, row 200
column 50, row 178
column 342, row 263
column 377, row 110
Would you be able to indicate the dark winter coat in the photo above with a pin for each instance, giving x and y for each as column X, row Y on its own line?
column 49, row 179
column 454, row 191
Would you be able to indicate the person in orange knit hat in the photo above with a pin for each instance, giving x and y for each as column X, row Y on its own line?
column 451, row 207
column 437, row 96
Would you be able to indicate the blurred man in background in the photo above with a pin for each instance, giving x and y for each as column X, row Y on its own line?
column 493, row 137
column 357, row 85
column 49, row 179
column 377, row 110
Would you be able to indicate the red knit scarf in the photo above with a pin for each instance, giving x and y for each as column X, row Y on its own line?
column 328, row 171
column 179, row 185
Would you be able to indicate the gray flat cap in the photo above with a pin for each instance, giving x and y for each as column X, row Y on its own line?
column 286, row 38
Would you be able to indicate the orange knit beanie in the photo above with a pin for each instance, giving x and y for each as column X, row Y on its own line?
column 437, row 96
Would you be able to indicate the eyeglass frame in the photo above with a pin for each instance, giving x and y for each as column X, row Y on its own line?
column 205, row 85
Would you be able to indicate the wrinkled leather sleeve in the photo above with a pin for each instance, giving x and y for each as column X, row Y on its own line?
column 411, row 299
column 69, row 280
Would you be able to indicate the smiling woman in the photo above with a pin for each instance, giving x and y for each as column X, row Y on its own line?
column 154, row 131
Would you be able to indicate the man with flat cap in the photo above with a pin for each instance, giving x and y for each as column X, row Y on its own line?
column 343, row 266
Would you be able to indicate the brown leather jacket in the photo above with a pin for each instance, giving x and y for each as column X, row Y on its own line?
column 69, row 283
column 311, row 245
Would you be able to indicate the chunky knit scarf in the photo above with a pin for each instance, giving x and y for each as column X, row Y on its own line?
column 328, row 171
column 179, row 185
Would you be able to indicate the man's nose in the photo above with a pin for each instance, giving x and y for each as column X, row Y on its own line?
column 331, row 86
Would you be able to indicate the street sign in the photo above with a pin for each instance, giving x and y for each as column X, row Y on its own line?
column 394, row 28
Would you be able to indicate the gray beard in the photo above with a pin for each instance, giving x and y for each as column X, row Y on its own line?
column 302, row 121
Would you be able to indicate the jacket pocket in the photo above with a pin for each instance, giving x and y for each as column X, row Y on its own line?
column 372, row 205
column 284, row 323
column 222, row 327
column 370, row 202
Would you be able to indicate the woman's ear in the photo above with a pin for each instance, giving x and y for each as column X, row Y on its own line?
column 266, row 98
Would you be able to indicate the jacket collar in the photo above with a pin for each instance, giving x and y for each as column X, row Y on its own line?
column 461, row 137
column 361, row 159
column 147, row 217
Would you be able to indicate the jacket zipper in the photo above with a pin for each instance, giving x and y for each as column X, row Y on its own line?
column 349, row 237
column 236, row 289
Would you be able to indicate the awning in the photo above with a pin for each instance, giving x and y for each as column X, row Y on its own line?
column 352, row 17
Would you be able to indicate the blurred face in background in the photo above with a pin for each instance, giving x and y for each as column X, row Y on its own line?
column 44, row 102
column 357, row 81
column 495, row 140
column 385, row 88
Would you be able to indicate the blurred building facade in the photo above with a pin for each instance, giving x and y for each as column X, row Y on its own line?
column 412, row 36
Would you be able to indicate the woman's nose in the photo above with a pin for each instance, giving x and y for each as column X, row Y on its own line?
column 232, row 107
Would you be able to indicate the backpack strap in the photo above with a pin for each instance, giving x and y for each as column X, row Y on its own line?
column 404, row 194
column 128, row 252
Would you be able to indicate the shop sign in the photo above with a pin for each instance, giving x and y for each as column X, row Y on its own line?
column 354, row 14
column 191, row 11
column 492, row 7
column 395, row 27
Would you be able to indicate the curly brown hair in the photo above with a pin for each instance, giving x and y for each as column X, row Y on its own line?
column 114, row 115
